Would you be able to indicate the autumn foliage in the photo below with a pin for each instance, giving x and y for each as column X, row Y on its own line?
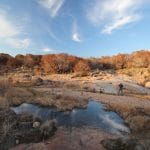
column 61, row 63
column 135, row 60
column 28, row 60
column 64, row 63
column 82, row 66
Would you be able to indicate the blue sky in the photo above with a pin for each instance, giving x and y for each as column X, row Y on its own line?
column 80, row 27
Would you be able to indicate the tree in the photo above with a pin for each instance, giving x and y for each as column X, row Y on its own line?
column 95, row 63
column 13, row 63
column 4, row 58
column 120, row 60
column 82, row 66
column 49, row 63
column 140, row 59
column 31, row 61
column 107, row 63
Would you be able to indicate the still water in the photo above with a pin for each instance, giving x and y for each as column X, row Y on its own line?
column 95, row 116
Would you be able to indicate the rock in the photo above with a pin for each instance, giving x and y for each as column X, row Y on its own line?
column 122, row 144
column 37, row 81
column 80, row 74
column 147, row 85
column 48, row 128
column 36, row 124
column 26, row 78
column 17, row 141
column 95, row 73
column 45, row 82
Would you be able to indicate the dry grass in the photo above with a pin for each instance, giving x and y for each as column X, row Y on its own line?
column 4, row 86
column 16, row 95
column 10, row 95
column 3, row 102
column 71, row 85
column 143, row 96
column 6, row 127
column 140, row 75
column 133, row 71
column 61, row 100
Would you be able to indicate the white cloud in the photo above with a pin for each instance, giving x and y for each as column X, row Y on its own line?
column 18, row 43
column 76, row 37
column 7, row 29
column 119, row 23
column 52, row 5
column 50, row 50
column 10, row 32
column 113, row 14
column 75, row 34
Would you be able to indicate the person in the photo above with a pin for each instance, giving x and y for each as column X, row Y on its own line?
column 120, row 91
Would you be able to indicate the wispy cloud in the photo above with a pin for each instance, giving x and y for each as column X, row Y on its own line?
column 10, row 32
column 50, row 50
column 119, row 23
column 114, row 14
column 18, row 43
column 7, row 29
column 52, row 5
column 75, row 33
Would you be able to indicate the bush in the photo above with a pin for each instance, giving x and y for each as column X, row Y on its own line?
column 61, row 63
column 4, row 58
column 64, row 63
column 82, row 66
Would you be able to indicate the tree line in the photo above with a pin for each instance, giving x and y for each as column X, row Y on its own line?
column 64, row 63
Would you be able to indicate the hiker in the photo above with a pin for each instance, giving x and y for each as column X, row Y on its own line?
column 101, row 90
column 120, row 90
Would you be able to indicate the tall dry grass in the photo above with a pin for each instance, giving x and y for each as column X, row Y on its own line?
column 4, row 87
column 10, row 95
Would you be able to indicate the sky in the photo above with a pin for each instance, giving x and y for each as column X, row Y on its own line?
column 85, row 28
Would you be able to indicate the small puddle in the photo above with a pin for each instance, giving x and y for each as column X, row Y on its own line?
column 94, row 116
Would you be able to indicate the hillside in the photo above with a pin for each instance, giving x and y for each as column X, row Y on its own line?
column 135, row 65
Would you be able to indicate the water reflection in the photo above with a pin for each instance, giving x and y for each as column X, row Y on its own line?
column 94, row 115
